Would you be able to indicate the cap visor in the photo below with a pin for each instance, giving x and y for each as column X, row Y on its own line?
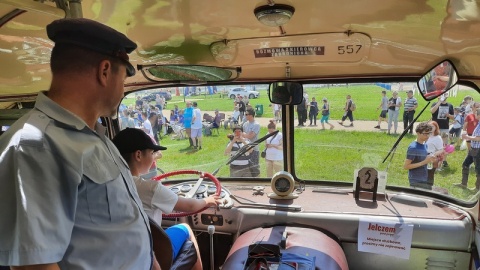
column 158, row 147
column 130, row 69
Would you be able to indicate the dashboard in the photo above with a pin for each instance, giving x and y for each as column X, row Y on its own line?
column 247, row 207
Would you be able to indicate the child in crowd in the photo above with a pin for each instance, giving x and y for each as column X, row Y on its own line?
column 139, row 151
column 418, row 158
column 456, row 129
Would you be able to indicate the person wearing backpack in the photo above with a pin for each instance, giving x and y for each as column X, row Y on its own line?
column 350, row 107
column 302, row 112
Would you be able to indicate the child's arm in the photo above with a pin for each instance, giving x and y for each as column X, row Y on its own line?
column 192, row 205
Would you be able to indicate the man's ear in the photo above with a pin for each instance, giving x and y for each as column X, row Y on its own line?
column 103, row 72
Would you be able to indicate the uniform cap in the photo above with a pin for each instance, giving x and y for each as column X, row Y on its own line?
column 92, row 35
column 130, row 140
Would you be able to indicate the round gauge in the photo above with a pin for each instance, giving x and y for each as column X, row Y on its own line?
column 201, row 189
column 175, row 190
column 283, row 185
column 222, row 194
column 211, row 190
column 185, row 188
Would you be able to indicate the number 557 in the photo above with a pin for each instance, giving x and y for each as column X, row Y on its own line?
column 348, row 49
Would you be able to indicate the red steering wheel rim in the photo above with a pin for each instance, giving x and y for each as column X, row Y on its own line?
column 200, row 174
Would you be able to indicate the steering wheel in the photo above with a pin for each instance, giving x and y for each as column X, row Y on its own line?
column 192, row 192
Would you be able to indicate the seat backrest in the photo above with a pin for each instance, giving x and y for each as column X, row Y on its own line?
column 162, row 246
column 222, row 116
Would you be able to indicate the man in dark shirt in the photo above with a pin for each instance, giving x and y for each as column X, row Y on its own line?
column 442, row 112
column 241, row 107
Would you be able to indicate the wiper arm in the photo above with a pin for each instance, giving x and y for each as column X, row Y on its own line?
column 245, row 149
column 394, row 147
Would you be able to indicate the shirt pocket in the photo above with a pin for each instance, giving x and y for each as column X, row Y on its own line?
column 107, row 196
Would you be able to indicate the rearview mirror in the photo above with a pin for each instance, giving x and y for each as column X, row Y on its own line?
column 438, row 80
column 188, row 73
column 285, row 93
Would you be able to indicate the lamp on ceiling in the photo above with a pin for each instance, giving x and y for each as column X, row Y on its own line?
column 274, row 16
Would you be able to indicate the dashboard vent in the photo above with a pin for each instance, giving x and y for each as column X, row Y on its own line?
column 434, row 263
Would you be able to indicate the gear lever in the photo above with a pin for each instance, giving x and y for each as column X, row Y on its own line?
column 211, row 231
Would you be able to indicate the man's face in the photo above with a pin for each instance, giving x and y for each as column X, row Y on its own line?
column 409, row 94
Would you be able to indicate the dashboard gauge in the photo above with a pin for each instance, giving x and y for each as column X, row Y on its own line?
column 175, row 190
column 185, row 188
column 282, row 185
column 201, row 189
column 211, row 190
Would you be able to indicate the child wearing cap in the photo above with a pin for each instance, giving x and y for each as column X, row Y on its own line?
column 138, row 150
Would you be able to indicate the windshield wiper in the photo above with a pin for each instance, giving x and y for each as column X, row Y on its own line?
column 245, row 149
column 394, row 147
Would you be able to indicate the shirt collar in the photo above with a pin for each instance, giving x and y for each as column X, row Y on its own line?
column 62, row 115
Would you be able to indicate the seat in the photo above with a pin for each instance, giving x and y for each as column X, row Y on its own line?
column 162, row 248
column 179, row 131
column 222, row 120
column 207, row 118
column 327, row 252
column 207, row 124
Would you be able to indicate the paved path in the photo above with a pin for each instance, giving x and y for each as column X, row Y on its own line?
column 357, row 125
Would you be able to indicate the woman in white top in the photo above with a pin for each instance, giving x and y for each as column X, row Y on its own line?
column 435, row 147
column 394, row 104
column 274, row 152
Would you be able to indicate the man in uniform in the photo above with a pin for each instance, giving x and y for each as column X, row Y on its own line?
column 68, row 198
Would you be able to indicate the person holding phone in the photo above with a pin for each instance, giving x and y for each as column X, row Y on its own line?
column 239, row 167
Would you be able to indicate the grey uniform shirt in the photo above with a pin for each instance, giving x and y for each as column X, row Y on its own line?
column 67, row 196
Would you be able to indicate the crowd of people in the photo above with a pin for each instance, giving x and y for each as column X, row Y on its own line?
column 449, row 128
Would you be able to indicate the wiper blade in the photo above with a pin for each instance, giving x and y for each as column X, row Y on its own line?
column 249, row 146
column 245, row 149
column 394, row 147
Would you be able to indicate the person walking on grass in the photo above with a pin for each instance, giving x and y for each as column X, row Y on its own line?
column 384, row 106
column 349, row 108
column 325, row 114
column 394, row 104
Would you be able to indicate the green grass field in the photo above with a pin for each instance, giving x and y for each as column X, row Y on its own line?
column 326, row 155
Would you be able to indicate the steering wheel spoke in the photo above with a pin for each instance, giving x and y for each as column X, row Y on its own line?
column 193, row 191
